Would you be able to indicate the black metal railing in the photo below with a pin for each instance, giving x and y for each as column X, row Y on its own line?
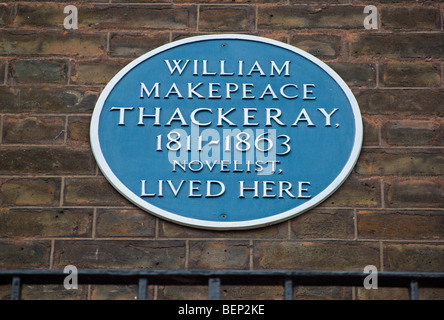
column 214, row 278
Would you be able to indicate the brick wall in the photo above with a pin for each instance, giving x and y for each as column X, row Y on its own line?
column 56, row 208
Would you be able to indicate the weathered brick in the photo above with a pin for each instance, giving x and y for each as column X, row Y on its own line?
column 120, row 254
column 401, row 102
column 132, row 17
column 356, row 74
column 51, row 43
column 323, row 224
column 230, row 1
column 315, row 255
column 406, row 1
column 173, row 230
column 47, row 100
column 355, row 193
column 24, row 254
column 219, row 255
column 182, row 293
column 401, row 225
column 33, row 130
column 415, row 18
column 294, row 17
column 413, row 133
column 2, row 72
column 39, row 15
column 7, row 14
column 415, row 193
column 226, row 18
column 117, row 292
column 91, row 192
column 97, row 72
column 395, row 45
column 414, row 257
column 40, row 160
column 45, row 223
column 322, row 293
column 38, row 71
column 108, row 16
column 252, row 292
column 78, row 131
column 27, row 191
column 401, row 163
column 322, row 46
column 411, row 74
column 130, row 45
column 383, row 293
column 125, row 223
column 53, row 292
column 371, row 131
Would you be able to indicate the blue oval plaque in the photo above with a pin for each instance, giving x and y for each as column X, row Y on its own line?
column 226, row 131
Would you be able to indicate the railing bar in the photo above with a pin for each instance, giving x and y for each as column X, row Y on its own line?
column 288, row 289
column 414, row 292
column 16, row 289
column 214, row 289
column 143, row 283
